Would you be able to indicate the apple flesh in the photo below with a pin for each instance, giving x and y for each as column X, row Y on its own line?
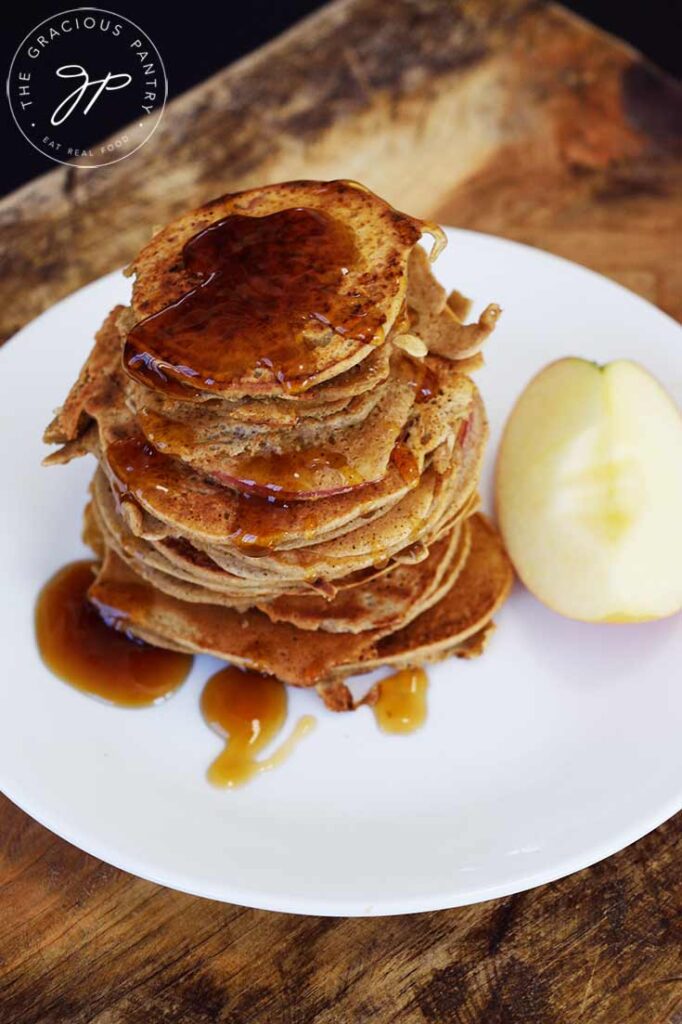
column 589, row 492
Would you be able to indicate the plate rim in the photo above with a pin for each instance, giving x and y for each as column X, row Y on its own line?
column 316, row 907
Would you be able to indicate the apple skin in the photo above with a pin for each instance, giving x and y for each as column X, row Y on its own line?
column 588, row 492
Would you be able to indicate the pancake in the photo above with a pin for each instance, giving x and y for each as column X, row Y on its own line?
column 432, row 317
column 382, row 603
column 97, row 386
column 195, row 505
column 257, row 419
column 365, row 540
column 479, row 590
column 389, row 600
column 252, row 640
column 295, row 464
column 268, row 413
column 321, row 270
column 170, row 567
column 419, row 516
column 212, row 515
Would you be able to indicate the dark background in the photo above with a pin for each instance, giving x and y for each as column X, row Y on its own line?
column 195, row 39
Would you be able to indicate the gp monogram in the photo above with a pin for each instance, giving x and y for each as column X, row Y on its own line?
column 83, row 76
column 109, row 83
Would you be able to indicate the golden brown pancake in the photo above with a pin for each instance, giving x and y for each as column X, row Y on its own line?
column 295, row 464
column 380, row 603
column 481, row 587
column 389, row 599
column 432, row 317
column 283, row 410
column 320, row 271
column 251, row 640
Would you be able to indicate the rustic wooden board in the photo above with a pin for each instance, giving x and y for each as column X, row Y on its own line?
column 510, row 117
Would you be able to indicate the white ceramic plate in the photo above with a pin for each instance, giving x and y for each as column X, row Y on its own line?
column 558, row 747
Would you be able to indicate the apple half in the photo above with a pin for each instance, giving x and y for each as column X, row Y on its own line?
column 589, row 492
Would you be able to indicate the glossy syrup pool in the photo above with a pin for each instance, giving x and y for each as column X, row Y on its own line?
column 401, row 704
column 269, row 297
column 80, row 648
column 248, row 710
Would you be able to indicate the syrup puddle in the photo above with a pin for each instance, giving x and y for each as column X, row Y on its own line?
column 248, row 710
column 400, row 704
column 95, row 656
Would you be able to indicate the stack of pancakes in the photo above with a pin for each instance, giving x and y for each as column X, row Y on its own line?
column 289, row 443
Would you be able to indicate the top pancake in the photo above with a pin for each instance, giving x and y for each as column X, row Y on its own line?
column 268, row 292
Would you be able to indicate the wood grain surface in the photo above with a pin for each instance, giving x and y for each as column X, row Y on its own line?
column 511, row 117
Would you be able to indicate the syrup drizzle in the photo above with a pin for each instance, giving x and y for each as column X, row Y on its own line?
column 150, row 476
column 292, row 475
column 288, row 475
column 269, row 298
column 248, row 709
column 406, row 463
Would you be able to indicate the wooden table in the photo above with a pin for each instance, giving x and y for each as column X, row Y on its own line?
column 515, row 118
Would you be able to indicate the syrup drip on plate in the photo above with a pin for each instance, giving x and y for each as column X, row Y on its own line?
column 269, row 297
column 96, row 656
column 248, row 709
column 401, row 703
